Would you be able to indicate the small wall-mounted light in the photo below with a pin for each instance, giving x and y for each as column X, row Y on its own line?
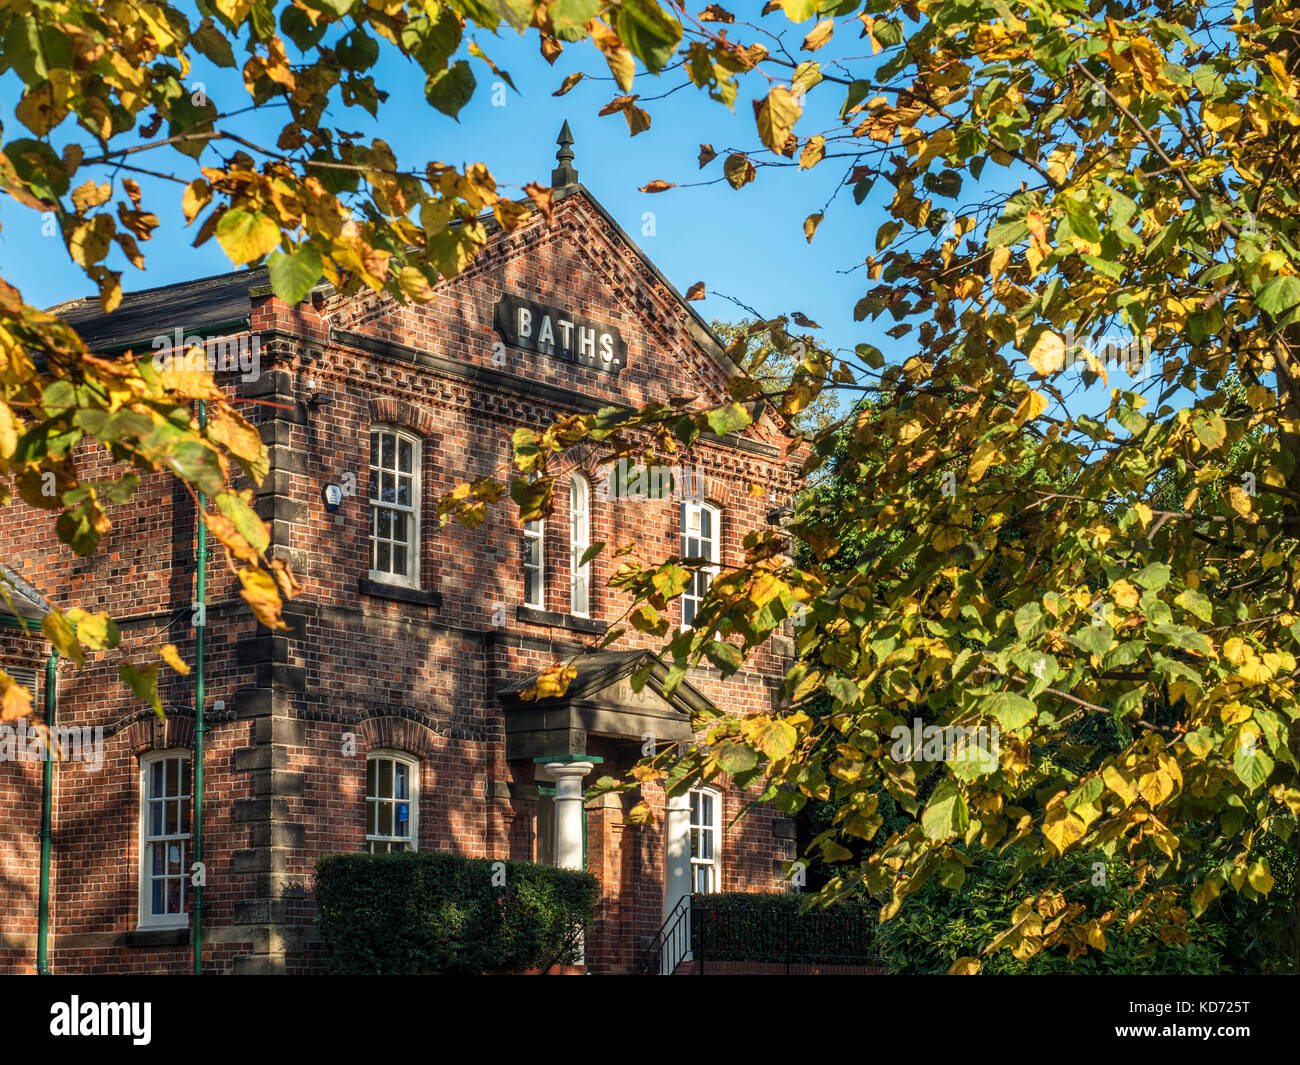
column 779, row 515
column 333, row 495
column 318, row 399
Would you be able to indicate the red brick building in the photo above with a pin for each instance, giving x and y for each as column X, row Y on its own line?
column 388, row 716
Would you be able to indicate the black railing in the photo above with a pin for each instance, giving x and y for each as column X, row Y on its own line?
column 763, row 928
column 672, row 943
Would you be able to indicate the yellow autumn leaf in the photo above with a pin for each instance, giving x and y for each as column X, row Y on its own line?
column 246, row 236
column 173, row 658
column 998, row 261
column 1221, row 116
column 1047, row 356
column 262, row 596
column 812, row 152
column 986, row 455
column 1124, row 594
column 1030, row 407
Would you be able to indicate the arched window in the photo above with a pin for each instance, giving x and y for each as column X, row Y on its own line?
column 394, row 506
column 701, row 532
column 706, row 835
column 392, row 801
column 165, row 839
column 579, row 542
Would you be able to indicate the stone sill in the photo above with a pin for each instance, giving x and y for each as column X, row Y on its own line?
column 533, row 616
column 157, row 937
column 382, row 590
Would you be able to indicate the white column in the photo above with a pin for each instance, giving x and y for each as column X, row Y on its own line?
column 568, row 811
column 677, row 850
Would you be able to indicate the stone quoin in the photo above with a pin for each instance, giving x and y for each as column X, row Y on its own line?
column 390, row 714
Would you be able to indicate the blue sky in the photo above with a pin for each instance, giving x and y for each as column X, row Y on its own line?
column 747, row 244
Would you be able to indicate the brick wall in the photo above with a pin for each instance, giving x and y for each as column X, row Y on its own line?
column 286, row 754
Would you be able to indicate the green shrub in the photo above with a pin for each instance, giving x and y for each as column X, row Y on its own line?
column 775, row 926
column 412, row 913
column 938, row 925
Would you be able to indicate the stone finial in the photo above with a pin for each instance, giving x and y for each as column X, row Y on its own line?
column 565, row 174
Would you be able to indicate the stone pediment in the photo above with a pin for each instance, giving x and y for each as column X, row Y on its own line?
column 600, row 701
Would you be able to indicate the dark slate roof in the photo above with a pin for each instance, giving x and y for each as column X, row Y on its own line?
column 194, row 306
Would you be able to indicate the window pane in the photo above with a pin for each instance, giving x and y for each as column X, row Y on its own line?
column 385, row 778
column 399, row 526
column 386, row 452
column 404, row 491
column 404, row 456
column 374, row 449
column 399, row 560
column 382, row 557
column 385, row 827
column 370, row 776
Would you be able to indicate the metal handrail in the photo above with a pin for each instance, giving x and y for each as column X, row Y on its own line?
column 673, row 942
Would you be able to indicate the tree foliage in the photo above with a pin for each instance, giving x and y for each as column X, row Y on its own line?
column 1057, row 173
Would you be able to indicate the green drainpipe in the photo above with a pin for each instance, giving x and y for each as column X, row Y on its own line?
column 200, row 721
column 47, row 837
column 9, row 621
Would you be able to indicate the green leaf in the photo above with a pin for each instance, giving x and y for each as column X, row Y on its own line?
column 1210, row 428
column 1195, row 603
column 945, row 815
column 1095, row 639
column 143, row 681
column 451, row 89
column 246, row 236
column 294, row 275
column 1279, row 295
column 1252, row 766
column 1030, row 621
column 871, row 355
column 728, row 418
column 1153, row 576
column 650, row 33
column 736, row 758
column 1011, row 711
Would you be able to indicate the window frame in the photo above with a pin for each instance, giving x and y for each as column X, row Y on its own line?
column 713, row 565
column 412, row 839
column 146, row 918
column 579, row 542
column 535, row 530
column 411, row 579
column 714, row 828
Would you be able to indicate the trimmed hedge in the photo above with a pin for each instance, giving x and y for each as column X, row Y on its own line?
column 411, row 913
column 774, row 926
